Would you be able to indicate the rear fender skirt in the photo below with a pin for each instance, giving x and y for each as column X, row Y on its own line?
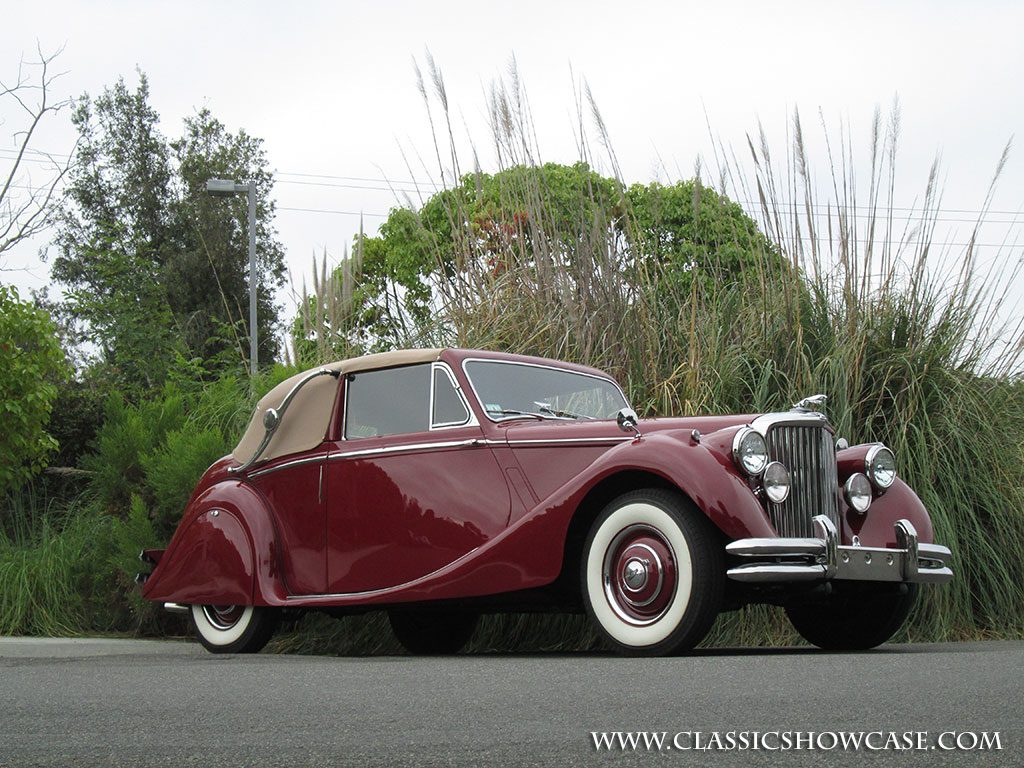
column 225, row 552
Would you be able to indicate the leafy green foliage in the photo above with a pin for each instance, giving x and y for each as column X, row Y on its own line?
column 31, row 364
column 551, row 229
column 173, row 470
column 156, row 268
column 128, row 435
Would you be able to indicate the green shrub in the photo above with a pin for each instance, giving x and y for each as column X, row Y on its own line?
column 31, row 362
column 174, row 468
column 129, row 433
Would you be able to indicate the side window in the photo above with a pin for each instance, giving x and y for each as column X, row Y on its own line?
column 389, row 402
column 448, row 410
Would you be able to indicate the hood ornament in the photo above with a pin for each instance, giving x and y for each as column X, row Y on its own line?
column 812, row 403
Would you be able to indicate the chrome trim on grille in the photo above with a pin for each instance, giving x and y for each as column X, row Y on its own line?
column 807, row 450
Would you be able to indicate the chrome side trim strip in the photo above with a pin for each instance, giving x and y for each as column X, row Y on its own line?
column 285, row 465
column 567, row 441
column 176, row 608
column 411, row 447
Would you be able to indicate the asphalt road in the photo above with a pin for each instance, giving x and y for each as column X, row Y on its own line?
column 149, row 703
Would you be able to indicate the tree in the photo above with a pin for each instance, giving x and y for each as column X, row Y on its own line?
column 155, row 267
column 571, row 230
column 25, row 201
column 214, row 241
column 31, row 362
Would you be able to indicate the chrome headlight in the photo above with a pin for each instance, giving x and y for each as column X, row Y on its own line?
column 749, row 451
column 880, row 467
column 857, row 492
column 776, row 482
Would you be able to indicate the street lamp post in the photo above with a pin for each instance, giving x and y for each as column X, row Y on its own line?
column 227, row 188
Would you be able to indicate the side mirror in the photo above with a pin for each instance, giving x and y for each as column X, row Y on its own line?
column 628, row 421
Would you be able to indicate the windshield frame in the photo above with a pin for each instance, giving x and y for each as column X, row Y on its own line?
column 542, row 416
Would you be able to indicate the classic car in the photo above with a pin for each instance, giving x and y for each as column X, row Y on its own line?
column 441, row 484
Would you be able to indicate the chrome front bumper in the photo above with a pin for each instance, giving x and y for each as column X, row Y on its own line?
column 814, row 559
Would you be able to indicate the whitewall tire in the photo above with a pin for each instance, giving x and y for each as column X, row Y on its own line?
column 233, row 628
column 652, row 573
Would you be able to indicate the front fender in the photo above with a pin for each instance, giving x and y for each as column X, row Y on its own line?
column 702, row 470
column 876, row 527
column 531, row 550
column 225, row 552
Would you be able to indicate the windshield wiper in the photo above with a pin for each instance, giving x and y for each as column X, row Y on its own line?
column 546, row 408
column 511, row 412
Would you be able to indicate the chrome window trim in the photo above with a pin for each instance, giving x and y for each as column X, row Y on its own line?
column 480, row 402
column 469, row 421
column 432, row 427
column 344, row 410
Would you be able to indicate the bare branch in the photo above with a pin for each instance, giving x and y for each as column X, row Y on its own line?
column 25, row 206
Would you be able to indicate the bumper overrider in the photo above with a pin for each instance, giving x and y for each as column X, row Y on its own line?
column 819, row 559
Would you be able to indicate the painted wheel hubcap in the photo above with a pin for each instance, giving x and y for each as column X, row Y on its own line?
column 639, row 574
column 223, row 617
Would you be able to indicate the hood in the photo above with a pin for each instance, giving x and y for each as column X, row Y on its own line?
column 549, row 429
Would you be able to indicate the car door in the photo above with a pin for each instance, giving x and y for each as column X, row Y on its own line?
column 294, row 489
column 412, row 485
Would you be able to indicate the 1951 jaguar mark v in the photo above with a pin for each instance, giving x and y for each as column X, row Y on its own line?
column 442, row 484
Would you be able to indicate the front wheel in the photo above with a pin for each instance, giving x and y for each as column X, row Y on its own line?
column 234, row 628
column 652, row 573
column 860, row 617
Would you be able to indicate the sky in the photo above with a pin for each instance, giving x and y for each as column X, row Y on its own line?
column 331, row 88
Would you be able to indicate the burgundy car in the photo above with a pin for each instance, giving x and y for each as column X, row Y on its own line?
column 442, row 484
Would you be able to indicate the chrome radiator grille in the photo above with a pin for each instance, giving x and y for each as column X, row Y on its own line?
column 807, row 451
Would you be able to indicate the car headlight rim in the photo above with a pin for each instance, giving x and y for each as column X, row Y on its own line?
column 857, row 490
column 750, row 451
column 776, row 482
column 880, row 467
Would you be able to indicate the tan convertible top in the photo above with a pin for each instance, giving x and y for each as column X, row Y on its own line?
column 304, row 425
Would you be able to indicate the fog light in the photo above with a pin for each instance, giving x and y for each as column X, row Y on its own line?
column 776, row 482
column 857, row 492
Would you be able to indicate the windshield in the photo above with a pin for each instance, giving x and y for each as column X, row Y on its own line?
column 513, row 390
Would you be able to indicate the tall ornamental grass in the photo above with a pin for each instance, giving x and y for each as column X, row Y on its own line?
column 846, row 294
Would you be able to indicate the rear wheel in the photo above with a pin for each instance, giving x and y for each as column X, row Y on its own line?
column 860, row 617
column 234, row 628
column 652, row 573
column 432, row 633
